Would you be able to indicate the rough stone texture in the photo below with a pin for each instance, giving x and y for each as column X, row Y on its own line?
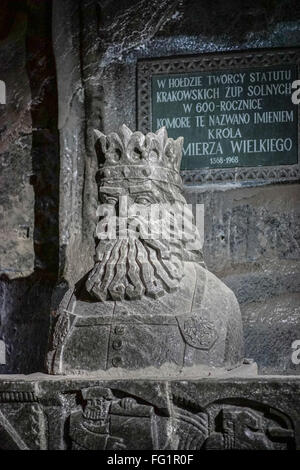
column 16, row 193
column 29, row 152
column 252, row 244
column 148, row 301
column 25, row 314
column 274, row 324
column 29, row 183
column 40, row 412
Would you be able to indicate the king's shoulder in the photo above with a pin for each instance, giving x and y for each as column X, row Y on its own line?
column 208, row 287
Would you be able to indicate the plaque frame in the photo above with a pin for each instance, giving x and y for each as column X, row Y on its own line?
column 214, row 62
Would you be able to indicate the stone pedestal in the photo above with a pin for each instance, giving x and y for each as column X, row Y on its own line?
column 227, row 411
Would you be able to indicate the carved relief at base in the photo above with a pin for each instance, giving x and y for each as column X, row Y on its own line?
column 111, row 420
column 110, row 423
column 240, row 427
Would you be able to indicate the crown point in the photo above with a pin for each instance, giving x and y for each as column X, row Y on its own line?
column 124, row 128
column 180, row 141
column 98, row 135
column 162, row 135
column 126, row 133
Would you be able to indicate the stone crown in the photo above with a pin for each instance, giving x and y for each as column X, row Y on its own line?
column 128, row 154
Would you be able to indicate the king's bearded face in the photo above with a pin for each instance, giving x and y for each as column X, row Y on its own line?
column 141, row 245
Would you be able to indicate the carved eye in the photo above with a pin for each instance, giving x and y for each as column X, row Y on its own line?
column 110, row 200
column 142, row 200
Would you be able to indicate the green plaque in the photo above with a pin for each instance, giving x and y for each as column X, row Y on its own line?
column 234, row 110
column 229, row 118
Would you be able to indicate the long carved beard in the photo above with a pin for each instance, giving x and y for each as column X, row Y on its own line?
column 132, row 267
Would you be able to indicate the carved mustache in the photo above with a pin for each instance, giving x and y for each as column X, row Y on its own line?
column 168, row 227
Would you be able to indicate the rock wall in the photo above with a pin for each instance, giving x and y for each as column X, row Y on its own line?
column 87, row 67
column 29, row 184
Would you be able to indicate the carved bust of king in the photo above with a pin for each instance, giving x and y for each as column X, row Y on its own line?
column 149, row 301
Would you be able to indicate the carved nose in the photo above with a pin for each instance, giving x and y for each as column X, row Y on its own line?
column 121, row 207
column 121, row 212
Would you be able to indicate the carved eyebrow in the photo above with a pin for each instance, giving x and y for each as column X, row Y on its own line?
column 111, row 191
column 141, row 188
